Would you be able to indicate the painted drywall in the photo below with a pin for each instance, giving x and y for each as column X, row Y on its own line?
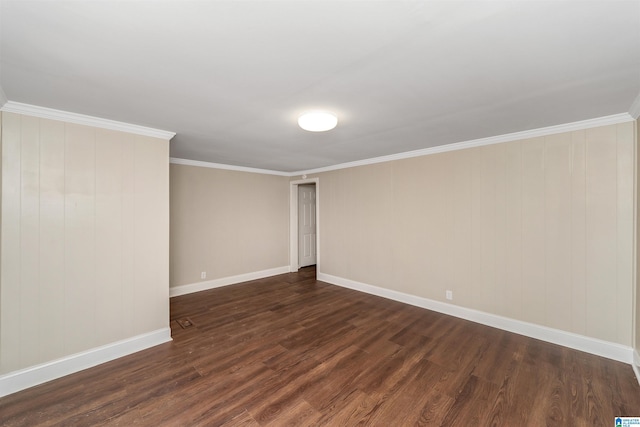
column 537, row 230
column 84, row 238
column 226, row 223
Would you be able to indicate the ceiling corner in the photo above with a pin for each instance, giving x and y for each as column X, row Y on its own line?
column 81, row 119
column 634, row 110
column 3, row 98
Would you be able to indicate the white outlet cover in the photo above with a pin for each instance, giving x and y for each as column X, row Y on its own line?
column 449, row 295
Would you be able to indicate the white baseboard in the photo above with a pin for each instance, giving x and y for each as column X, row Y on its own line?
column 636, row 364
column 225, row 281
column 595, row 346
column 34, row 375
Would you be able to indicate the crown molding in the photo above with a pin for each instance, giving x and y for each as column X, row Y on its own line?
column 533, row 133
column 198, row 163
column 81, row 119
column 634, row 110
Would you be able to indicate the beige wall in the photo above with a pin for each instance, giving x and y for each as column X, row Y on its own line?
column 637, row 307
column 538, row 230
column 226, row 223
column 84, row 238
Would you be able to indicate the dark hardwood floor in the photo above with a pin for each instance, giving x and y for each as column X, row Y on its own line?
column 289, row 350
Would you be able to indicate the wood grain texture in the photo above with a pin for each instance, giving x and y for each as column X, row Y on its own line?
column 290, row 350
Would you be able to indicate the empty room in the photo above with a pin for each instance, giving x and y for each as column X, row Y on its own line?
column 319, row 213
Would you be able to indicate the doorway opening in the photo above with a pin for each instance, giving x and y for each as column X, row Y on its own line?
column 306, row 225
column 304, row 247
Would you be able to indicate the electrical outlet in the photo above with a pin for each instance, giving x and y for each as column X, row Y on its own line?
column 203, row 275
column 449, row 295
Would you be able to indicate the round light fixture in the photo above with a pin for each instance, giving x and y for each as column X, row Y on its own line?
column 317, row 121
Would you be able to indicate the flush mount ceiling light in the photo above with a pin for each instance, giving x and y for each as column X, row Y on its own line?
column 317, row 121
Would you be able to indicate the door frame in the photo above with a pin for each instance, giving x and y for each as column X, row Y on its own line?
column 293, row 222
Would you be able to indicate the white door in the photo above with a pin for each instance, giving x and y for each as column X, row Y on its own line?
column 306, row 225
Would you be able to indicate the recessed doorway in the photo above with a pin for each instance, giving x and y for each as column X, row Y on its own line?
column 304, row 248
column 306, row 225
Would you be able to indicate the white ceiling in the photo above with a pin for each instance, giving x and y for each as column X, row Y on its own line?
column 231, row 77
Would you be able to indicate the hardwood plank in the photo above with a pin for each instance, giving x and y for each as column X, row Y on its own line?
column 289, row 350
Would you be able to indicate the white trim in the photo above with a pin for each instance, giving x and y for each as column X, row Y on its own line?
column 49, row 113
column 533, row 133
column 225, row 281
column 293, row 222
column 595, row 346
column 81, row 119
column 198, row 163
column 636, row 364
column 634, row 110
column 34, row 375
column 293, row 227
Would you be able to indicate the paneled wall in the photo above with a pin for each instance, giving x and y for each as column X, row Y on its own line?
column 226, row 223
column 85, row 238
column 538, row 230
column 637, row 307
